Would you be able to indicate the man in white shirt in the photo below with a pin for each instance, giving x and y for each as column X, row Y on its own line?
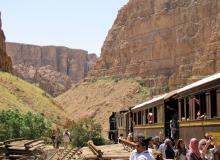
column 162, row 149
column 141, row 153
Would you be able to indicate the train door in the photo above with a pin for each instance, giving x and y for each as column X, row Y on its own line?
column 170, row 112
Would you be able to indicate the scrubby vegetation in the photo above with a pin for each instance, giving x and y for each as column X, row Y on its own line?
column 14, row 124
column 141, row 82
column 18, row 94
column 84, row 130
column 100, row 98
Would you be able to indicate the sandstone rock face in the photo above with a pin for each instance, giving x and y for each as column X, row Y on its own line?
column 5, row 60
column 168, row 43
column 48, row 65
column 44, row 77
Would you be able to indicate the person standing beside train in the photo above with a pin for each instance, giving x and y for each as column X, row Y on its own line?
column 174, row 129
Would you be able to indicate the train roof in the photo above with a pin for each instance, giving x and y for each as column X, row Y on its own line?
column 178, row 91
column 199, row 83
column 155, row 99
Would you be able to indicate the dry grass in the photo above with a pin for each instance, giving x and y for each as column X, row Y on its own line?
column 18, row 94
column 100, row 97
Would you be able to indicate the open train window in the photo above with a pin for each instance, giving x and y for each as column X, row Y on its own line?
column 151, row 116
column 118, row 122
column 121, row 121
column 196, row 102
column 203, row 104
column 187, row 107
column 139, row 117
column 146, row 111
column 182, row 109
column 155, row 114
column 200, row 105
column 213, row 104
column 135, row 118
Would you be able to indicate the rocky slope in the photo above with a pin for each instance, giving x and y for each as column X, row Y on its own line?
column 167, row 43
column 5, row 60
column 98, row 98
column 53, row 68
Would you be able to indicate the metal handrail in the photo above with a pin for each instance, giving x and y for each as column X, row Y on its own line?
column 95, row 150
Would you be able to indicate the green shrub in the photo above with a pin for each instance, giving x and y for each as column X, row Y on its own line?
column 14, row 124
column 116, row 78
column 141, row 82
column 145, row 92
column 83, row 131
column 165, row 89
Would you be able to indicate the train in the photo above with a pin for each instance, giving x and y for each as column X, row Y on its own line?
column 194, row 110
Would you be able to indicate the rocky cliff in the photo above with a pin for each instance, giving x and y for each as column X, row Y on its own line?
column 52, row 67
column 5, row 60
column 167, row 43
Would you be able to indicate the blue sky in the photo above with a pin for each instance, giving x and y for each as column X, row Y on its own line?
column 80, row 24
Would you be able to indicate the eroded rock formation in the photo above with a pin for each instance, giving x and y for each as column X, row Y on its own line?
column 168, row 43
column 5, row 60
column 53, row 68
column 45, row 77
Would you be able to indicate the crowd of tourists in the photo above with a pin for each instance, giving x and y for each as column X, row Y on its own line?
column 154, row 148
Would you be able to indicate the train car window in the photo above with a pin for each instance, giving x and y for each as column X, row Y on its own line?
column 146, row 111
column 187, row 107
column 203, row 103
column 142, row 117
column 117, row 124
column 182, row 109
column 155, row 114
column 200, row 106
column 196, row 102
column 135, row 118
column 112, row 124
column 121, row 121
column 213, row 103
column 139, row 117
column 150, row 116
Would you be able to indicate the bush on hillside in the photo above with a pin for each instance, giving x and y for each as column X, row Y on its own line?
column 84, row 130
column 116, row 78
column 141, row 82
column 14, row 124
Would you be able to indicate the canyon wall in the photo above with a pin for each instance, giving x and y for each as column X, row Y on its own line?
column 50, row 65
column 166, row 43
column 5, row 60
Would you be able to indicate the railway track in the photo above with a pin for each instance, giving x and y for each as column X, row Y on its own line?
column 67, row 154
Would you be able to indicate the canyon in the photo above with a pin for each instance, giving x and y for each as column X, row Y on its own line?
column 52, row 68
